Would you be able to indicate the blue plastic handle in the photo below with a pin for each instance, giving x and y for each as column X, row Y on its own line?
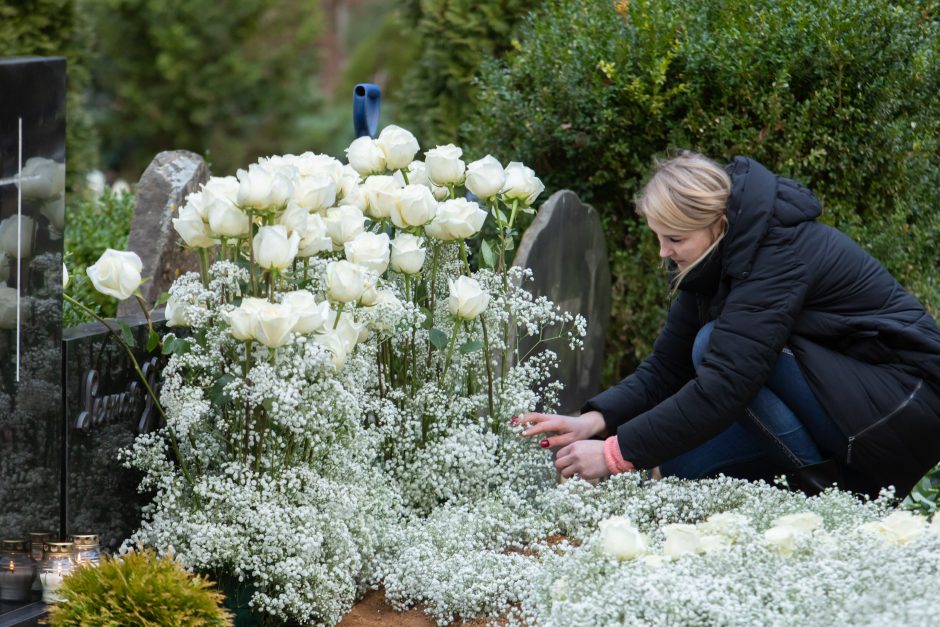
column 367, row 99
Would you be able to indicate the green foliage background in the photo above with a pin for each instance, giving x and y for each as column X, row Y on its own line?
column 841, row 96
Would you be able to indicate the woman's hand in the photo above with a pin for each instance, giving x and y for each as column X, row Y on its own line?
column 584, row 458
column 566, row 429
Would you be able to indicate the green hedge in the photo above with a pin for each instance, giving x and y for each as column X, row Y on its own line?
column 841, row 96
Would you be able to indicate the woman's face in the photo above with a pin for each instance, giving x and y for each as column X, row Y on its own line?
column 684, row 247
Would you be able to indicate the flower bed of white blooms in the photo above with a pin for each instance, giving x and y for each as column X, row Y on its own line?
column 337, row 411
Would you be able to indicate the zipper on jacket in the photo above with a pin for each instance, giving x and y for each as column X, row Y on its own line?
column 904, row 403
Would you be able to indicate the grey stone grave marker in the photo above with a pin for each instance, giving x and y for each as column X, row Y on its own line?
column 566, row 250
column 162, row 190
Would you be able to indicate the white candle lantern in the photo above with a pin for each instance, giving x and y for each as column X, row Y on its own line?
column 17, row 571
column 56, row 565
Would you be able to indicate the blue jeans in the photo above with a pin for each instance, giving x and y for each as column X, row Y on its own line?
column 784, row 428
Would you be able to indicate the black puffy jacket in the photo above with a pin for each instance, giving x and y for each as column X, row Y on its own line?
column 869, row 350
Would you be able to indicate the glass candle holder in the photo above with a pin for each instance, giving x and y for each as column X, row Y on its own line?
column 17, row 571
column 55, row 566
column 36, row 540
column 86, row 549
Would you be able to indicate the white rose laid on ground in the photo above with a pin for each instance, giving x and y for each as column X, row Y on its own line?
column 804, row 521
column 521, row 184
column 312, row 316
column 444, row 166
column 456, row 219
column 727, row 524
column 369, row 250
column 485, row 177
column 345, row 281
column 316, row 192
column 272, row 324
column 343, row 223
column 116, row 273
column 42, row 179
column 407, row 254
column 26, row 226
column 192, row 227
column 365, row 156
column 315, row 238
column 467, row 299
column 681, row 539
column 784, row 538
column 240, row 319
column 416, row 206
column 176, row 313
column 899, row 528
column 264, row 188
column 398, row 145
column 381, row 193
column 274, row 247
column 621, row 540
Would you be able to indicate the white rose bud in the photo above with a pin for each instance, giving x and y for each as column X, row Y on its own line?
column 218, row 188
column 8, row 236
column 312, row 316
column 264, row 188
column 274, row 247
column 415, row 207
column 712, row 543
column 334, row 344
column 273, row 323
column 116, row 273
column 176, row 313
column 621, row 540
column 398, row 145
column 192, row 228
column 365, row 156
column 310, row 164
column 521, row 184
column 65, row 276
column 681, row 540
column 343, row 223
column 407, row 254
column 804, row 521
column 345, row 281
column 241, row 319
column 369, row 250
column 485, row 177
column 467, row 299
column 444, row 166
column 315, row 239
column 898, row 528
column 456, row 219
column 381, row 192
column 783, row 538
column 42, row 179
column 727, row 524
column 316, row 192
column 8, row 303
column 295, row 219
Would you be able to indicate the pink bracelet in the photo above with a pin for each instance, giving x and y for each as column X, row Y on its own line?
column 616, row 464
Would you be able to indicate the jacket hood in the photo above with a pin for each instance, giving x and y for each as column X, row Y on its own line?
column 761, row 200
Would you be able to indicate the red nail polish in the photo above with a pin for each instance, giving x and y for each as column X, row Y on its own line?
column 544, row 443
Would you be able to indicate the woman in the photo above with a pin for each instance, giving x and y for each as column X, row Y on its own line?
column 788, row 349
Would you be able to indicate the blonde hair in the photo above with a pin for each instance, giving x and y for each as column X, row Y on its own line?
column 687, row 193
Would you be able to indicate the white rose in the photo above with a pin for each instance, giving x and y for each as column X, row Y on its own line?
column 365, row 156
column 398, row 145
column 467, row 299
column 381, row 192
column 176, row 313
column 444, row 166
column 312, row 316
column 521, row 184
column 804, row 521
column 712, row 543
column 54, row 211
column 415, row 207
column 681, row 540
column 898, row 528
column 370, row 296
column 935, row 523
column 8, row 236
column 456, row 219
column 218, row 205
column 310, row 164
column 241, row 319
column 343, row 223
column 345, row 281
column 8, row 296
column 272, row 324
column 418, row 175
column 116, row 273
column 335, row 346
column 192, row 228
column 264, row 188
column 407, row 254
column 65, row 276
column 315, row 239
column 274, row 247
column 369, row 250
column 295, row 219
column 222, row 188
column 727, row 524
column 783, row 538
column 620, row 539
column 316, row 192
column 350, row 190
column 42, row 179
column 486, row 177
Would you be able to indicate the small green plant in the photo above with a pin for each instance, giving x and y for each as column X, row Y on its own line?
column 138, row 589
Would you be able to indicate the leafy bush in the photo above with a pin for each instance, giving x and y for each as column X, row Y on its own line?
column 57, row 28
column 137, row 589
column 841, row 96
column 93, row 226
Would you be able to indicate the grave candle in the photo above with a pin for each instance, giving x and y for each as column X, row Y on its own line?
column 16, row 571
column 56, row 565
